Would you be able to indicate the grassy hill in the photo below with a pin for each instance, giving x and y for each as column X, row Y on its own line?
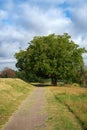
column 12, row 93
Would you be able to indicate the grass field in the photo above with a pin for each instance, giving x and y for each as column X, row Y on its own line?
column 67, row 108
column 12, row 93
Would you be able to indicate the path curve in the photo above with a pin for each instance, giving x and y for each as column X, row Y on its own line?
column 31, row 115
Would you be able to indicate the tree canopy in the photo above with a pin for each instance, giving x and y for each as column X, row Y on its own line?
column 53, row 56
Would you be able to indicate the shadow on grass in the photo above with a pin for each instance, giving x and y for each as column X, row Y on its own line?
column 46, row 85
column 41, row 85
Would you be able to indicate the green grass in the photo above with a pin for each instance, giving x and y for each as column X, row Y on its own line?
column 67, row 108
column 12, row 93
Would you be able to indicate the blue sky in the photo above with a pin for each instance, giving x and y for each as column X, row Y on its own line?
column 21, row 20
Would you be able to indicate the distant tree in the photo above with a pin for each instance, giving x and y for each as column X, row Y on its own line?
column 7, row 73
column 54, row 56
column 85, row 76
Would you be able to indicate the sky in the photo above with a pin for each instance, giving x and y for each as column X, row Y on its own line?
column 21, row 20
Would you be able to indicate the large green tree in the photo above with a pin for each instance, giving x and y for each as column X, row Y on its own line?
column 54, row 56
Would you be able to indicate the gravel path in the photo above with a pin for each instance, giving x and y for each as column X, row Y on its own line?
column 31, row 115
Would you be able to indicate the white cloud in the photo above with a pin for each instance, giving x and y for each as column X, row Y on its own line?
column 3, row 14
column 24, row 20
column 79, row 16
column 38, row 21
column 7, row 60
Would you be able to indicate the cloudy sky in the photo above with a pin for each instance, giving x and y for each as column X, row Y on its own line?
column 21, row 20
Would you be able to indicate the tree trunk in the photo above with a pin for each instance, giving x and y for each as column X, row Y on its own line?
column 54, row 81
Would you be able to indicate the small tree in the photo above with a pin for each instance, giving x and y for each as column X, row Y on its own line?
column 54, row 56
column 7, row 73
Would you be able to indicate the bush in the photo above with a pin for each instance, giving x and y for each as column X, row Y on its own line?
column 7, row 73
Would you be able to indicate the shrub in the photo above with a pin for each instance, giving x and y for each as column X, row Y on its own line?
column 7, row 73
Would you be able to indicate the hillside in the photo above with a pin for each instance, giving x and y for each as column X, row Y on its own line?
column 12, row 93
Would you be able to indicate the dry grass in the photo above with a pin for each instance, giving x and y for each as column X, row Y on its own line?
column 69, row 90
column 59, row 117
column 12, row 93
column 75, row 100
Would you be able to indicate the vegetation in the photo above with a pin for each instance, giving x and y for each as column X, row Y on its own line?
column 7, row 73
column 53, row 56
column 12, row 93
column 85, row 76
column 67, row 108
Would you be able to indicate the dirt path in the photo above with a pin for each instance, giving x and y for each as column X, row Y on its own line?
column 41, row 111
column 31, row 115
